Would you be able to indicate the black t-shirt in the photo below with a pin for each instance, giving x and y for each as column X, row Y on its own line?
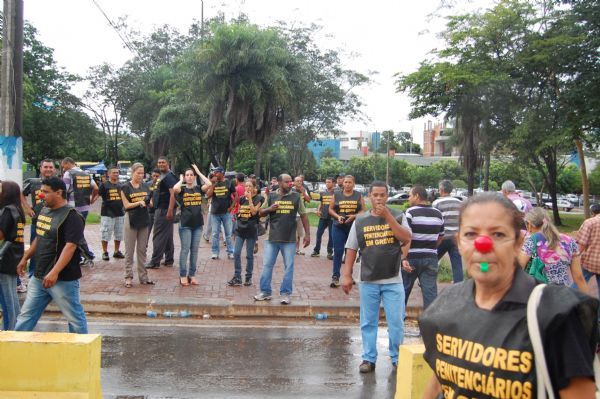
column 246, row 222
column 221, row 198
column 112, row 206
column 71, row 231
column 12, row 230
column 165, row 182
column 190, row 200
column 138, row 216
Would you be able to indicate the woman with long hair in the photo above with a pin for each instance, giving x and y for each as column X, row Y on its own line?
column 557, row 251
column 135, row 196
column 189, row 197
column 246, row 231
column 12, row 223
column 347, row 204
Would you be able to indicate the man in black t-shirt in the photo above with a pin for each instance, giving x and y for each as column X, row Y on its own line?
column 112, row 214
column 223, row 198
column 57, row 273
column 162, row 240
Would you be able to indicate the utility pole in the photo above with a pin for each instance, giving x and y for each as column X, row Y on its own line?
column 11, row 93
column 387, row 164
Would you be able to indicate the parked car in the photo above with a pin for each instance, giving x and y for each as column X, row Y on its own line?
column 398, row 199
column 573, row 199
column 561, row 204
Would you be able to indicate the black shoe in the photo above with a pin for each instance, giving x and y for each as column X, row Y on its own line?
column 118, row 255
column 248, row 281
column 315, row 254
column 329, row 256
column 151, row 266
column 105, row 256
column 235, row 282
column 366, row 367
column 335, row 282
column 167, row 264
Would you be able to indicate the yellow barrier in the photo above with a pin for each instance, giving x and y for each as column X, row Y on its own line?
column 49, row 365
column 413, row 372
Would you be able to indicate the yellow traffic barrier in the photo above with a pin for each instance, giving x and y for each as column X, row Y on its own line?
column 49, row 365
column 413, row 372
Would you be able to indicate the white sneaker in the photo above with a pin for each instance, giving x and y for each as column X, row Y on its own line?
column 262, row 296
column 21, row 288
column 230, row 256
column 285, row 299
column 214, row 256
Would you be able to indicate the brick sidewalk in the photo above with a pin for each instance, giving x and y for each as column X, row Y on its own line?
column 105, row 282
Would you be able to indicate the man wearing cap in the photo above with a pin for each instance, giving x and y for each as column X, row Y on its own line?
column 223, row 198
column 339, row 182
column 509, row 191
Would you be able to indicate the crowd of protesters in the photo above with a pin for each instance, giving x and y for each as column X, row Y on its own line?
column 392, row 247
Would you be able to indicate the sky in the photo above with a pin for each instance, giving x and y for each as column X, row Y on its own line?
column 380, row 37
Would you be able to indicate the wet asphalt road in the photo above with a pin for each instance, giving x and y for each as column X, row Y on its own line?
column 185, row 358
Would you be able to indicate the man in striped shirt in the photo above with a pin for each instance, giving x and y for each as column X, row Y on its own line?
column 450, row 208
column 427, row 225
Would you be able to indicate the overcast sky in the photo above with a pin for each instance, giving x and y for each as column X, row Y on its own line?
column 386, row 36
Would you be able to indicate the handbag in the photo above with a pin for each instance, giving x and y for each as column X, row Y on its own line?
column 544, row 384
column 262, row 230
column 536, row 267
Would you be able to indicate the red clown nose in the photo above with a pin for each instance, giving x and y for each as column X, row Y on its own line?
column 41, row 196
column 484, row 244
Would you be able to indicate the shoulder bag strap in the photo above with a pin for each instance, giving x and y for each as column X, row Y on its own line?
column 544, row 385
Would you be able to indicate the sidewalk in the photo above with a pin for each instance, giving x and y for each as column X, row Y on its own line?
column 103, row 290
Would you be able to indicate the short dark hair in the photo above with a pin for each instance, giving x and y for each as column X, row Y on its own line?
column 68, row 160
column 156, row 170
column 419, row 190
column 240, row 177
column 446, row 185
column 111, row 167
column 378, row 183
column 55, row 184
column 47, row 160
column 162, row 157
column 595, row 209
column 329, row 178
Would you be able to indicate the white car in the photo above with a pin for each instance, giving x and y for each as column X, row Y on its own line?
column 561, row 204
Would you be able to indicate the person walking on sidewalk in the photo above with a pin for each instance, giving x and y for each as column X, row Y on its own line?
column 12, row 246
column 57, row 270
column 32, row 188
column 162, row 239
column 325, row 221
column 427, row 225
column 346, row 206
column 379, row 234
column 189, row 196
column 223, row 199
column 281, row 207
column 134, row 195
column 246, row 232
column 450, row 209
column 588, row 239
column 82, row 192
column 112, row 213
column 304, row 192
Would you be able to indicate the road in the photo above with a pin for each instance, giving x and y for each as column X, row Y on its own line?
column 183, row 358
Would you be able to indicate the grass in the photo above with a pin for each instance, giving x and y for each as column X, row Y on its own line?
column 570, row 222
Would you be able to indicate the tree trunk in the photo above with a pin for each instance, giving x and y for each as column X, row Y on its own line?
column 260, row 150
column 551, row 182
column 585, row 183
column 486, row 171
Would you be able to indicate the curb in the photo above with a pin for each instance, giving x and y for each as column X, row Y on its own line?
column 138, row 305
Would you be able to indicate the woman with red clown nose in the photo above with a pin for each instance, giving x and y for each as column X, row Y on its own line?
column 478, row 329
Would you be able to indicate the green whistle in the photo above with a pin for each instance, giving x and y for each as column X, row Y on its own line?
column 484, row 266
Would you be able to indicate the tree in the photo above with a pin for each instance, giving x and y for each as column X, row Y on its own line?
column 425, row 176
column 330, row 167
column 449, row 169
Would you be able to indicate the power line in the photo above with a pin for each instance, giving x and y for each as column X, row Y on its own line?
column 127, row 44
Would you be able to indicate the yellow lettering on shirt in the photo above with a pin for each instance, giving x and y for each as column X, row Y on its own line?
column 20, row 233
column 192, row 199
column 113, row 194
column 82, row 181
column 43, row 225
column 285, row 207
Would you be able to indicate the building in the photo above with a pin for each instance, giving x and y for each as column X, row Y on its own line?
column 435, row 142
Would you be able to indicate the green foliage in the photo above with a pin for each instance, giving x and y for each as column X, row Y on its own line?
column 457, row 183
column 569, row 180
column 330, row 167
column 425, row 175
column 450, row 169
column 594, row 179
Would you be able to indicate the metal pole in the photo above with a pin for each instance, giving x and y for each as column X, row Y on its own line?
column 387, row 164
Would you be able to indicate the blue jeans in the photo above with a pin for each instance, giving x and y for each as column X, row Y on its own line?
column 237, row 256
column 190, row 242
column 340, row 235
column 65, row 295
column 324, row 224
column 426, row 270
column 216, row 221
column 9, row 301
column 288, row 252
column 371, row 296
column 587, row 275
column 449, row 245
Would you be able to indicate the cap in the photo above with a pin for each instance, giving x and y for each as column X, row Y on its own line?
column 218, row 169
